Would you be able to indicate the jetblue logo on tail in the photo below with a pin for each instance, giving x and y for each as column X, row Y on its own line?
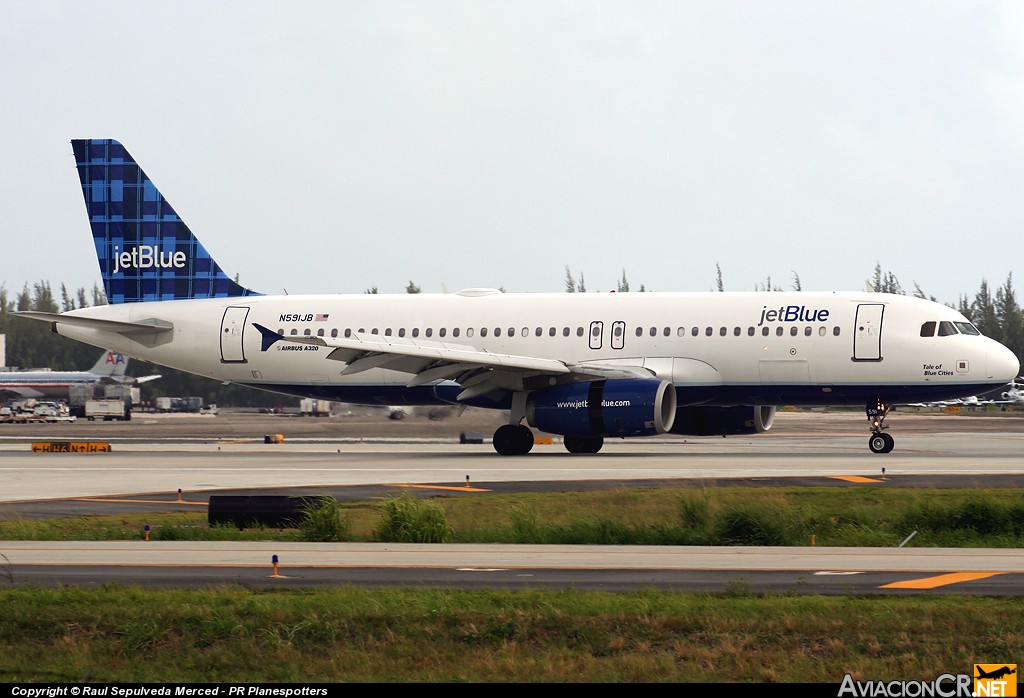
column 147, row 257
column 145, row 251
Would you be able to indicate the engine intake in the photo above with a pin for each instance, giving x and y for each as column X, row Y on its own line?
column 720, row 421
column 621, row 407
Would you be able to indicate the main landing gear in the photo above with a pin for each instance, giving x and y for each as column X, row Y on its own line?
column 879, row 441
column 517, row 440
column 583, row 444
column 512, row 440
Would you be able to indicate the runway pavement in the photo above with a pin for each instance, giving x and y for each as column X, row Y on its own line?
column 146, row 473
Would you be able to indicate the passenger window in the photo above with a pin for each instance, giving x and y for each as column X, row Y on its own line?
column 511, row 331
column 946, row 329
column 483, row 331
column 793, row 330
column 708, row 331
column 334, row 332
column 565, row 331
column 415, row 331
column 526, row 332
column 821, row 331
column 835, row 331
column 442, row 332
column 579, row 331
column 736, row 331
column 928, row 329
column 538, row 332
column 401, row 332
column 348, row 332
column 681, row 332
column 750, row 331
column 778, row 331
column 387, row 332
column 764, row 331
column 695, row 331
column 429, row 332
column 320, row 332
column 305, row 332
column 469, row 331
column 667, row 331
column 653, row 331
column 807, row 332
column 552, row 331
column 455, row 332
column 722, row 331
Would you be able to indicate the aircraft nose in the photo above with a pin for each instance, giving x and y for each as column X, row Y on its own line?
column 1002, row 363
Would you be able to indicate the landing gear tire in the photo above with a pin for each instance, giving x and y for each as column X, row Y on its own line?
column 512, row 440
column 881, row 443
column 583, row 444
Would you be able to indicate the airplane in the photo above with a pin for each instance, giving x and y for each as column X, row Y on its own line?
column 995, row 674
column 1014, row 394
column 56, row 385
column 585, row 366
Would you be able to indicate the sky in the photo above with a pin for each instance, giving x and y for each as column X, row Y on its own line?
column 331, row 147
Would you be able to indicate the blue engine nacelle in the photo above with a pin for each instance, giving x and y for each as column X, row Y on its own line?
column 621, row 407
column 720, row 421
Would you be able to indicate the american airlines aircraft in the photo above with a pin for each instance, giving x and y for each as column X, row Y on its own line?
column 585, row 366
column 56, row 385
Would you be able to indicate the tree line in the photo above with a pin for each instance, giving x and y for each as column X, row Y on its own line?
column 30, row 344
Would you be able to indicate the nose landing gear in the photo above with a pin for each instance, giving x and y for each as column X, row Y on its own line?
column 879, row 441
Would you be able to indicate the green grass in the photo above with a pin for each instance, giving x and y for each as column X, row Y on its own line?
column 831, row 516
column 127, row 634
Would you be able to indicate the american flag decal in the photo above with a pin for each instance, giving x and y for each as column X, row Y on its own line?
column 321, row 317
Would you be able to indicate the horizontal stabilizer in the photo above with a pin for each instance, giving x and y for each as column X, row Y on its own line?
column 150, row 331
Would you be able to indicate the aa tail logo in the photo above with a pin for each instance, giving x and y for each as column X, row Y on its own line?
column 114, row 359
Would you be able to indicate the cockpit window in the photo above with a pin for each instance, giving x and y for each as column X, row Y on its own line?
column 928, row 329
column 967, row 328
column 946, row 329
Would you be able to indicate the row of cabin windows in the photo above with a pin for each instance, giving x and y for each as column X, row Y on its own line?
column 617, row 331
column 947, row 328
column 736, row 331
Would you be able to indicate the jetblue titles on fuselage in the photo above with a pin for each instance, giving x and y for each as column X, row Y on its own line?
column 793, row 313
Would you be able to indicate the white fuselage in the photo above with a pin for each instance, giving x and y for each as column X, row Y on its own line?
column 715, row 348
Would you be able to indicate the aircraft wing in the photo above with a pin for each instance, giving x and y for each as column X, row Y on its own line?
column 478, row 372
